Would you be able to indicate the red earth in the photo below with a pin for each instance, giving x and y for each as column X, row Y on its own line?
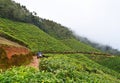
column 34, row 63
column 12, row 50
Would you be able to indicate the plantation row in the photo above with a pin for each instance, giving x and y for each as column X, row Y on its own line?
column 75, row 52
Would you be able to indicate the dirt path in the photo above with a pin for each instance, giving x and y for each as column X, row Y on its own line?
column 34, row 63
column 8, row 42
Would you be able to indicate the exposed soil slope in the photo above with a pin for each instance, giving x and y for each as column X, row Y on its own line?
column 8, row 42
column 12, row 48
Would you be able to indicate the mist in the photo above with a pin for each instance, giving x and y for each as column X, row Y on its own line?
column 98, row 20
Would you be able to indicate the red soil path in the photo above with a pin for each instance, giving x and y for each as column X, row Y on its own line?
column 34, row 63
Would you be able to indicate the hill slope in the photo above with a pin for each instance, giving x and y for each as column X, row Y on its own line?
column 56, row 68
column 78, row 46
column 8, row 42
column 36, row 39
column 62, row 69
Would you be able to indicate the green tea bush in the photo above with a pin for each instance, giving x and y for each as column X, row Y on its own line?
column 36, row 39
column 77, row 69
column 10, row 37
column 26, row 75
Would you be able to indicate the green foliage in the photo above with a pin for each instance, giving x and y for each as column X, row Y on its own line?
column 55, row 69
column 61, row 69
column 56, row 30
column 14, row 11
column 26, row 75
column 77, row 69
column 103, row 48
column 112, row 62
column 78, row 46
column 12, row 38
column 31, row 35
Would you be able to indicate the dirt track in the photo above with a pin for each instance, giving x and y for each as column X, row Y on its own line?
column 8, row 42
column 34, row 63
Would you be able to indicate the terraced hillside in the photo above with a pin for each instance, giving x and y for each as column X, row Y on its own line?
column 78, row 46
column 31, row 35
column 37, row 40
column 56, row 68
column 48, row 36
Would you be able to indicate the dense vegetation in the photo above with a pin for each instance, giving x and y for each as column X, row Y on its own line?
column 56, row 68
column 14, row 11
column 36, row 39
column 50, row 36
column 78, row 46
column 61, row 68
column 56, row 30
column 112, row 62
column 103, row 48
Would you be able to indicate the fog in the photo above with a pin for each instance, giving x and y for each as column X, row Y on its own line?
column 98, row 20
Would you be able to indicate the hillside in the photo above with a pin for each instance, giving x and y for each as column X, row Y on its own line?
column 8, row 42
column 31, row 35
column 37, row 40
column 15, row 11
column 20, row 29
column 55, row 68
column 78, row 46
column 62, row 69
column 112, row 62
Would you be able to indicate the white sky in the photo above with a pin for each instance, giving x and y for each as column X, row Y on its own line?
column 98, row 20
